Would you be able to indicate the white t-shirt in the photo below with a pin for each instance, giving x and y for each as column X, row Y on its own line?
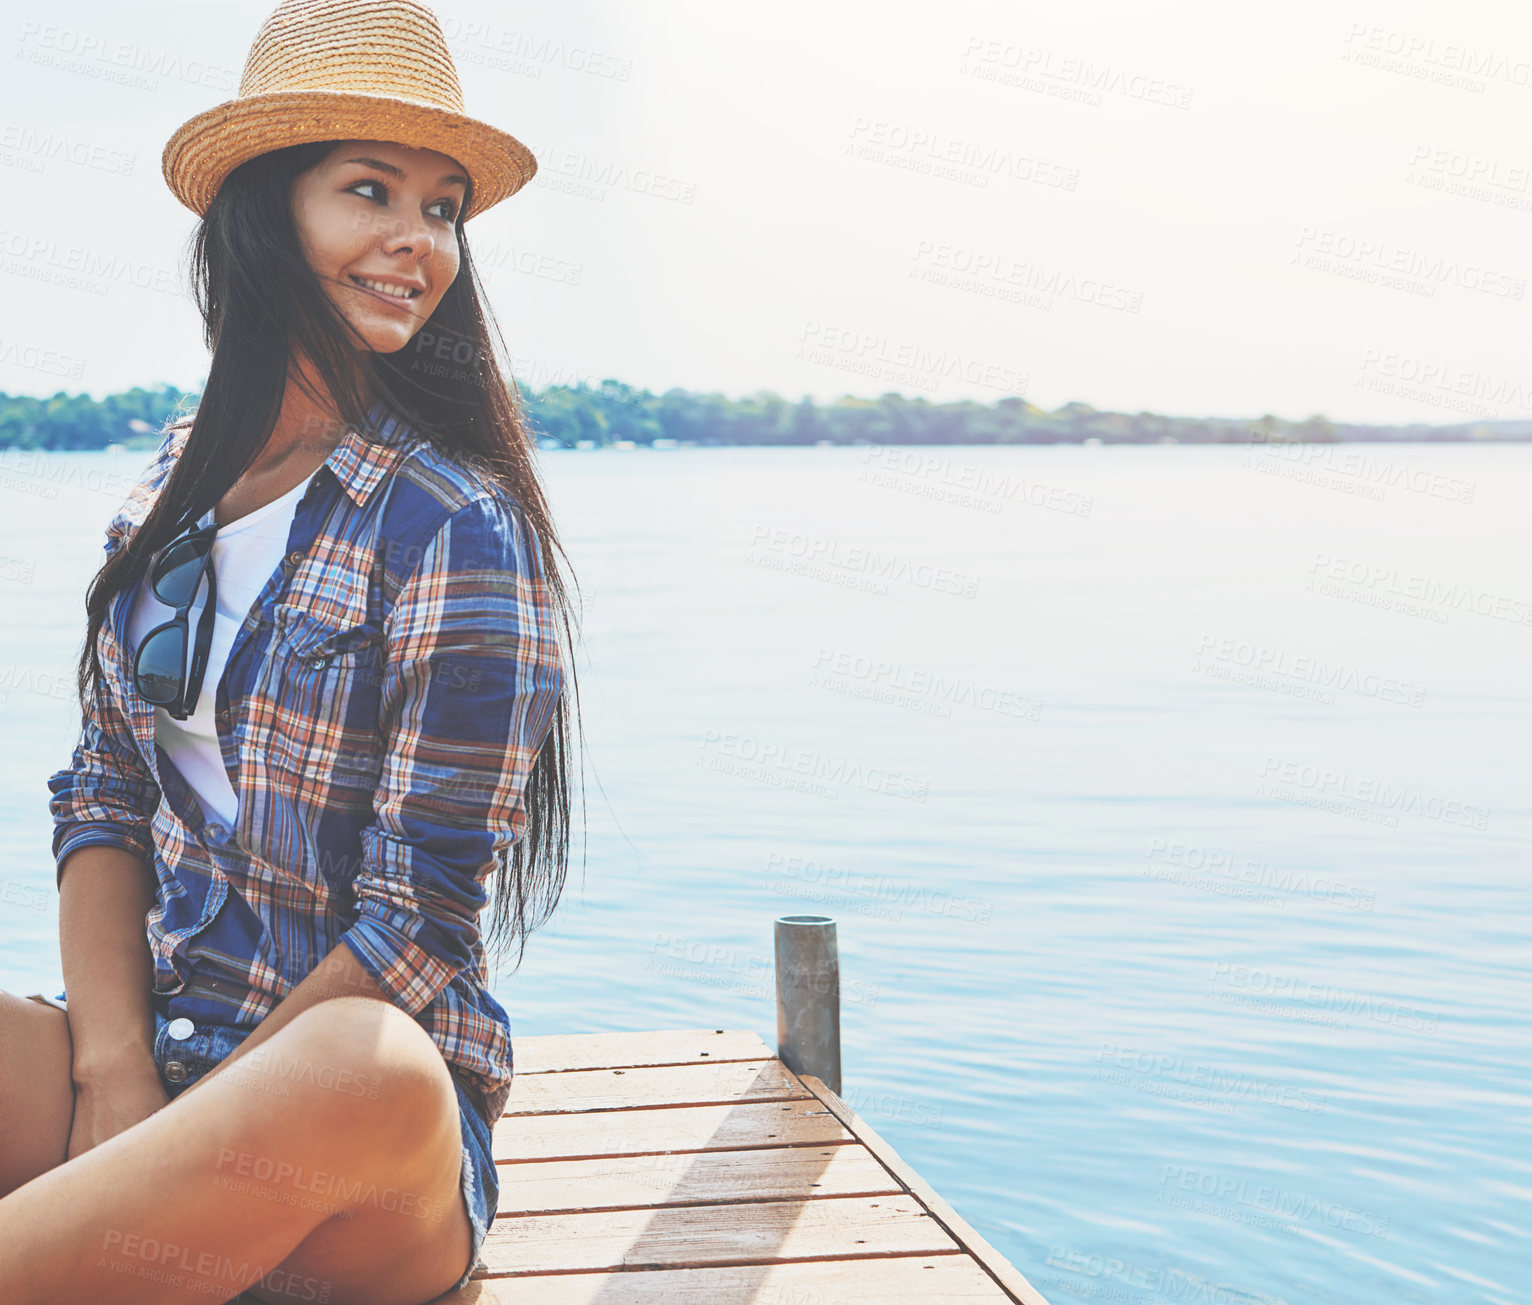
column 245, row 553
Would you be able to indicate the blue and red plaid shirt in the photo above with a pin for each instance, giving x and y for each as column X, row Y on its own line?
column 380, row 761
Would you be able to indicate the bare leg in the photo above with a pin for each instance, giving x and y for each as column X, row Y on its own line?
column 228, row 1184
column 36, row 1089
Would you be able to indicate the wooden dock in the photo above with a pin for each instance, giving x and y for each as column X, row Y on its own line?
column 694, row 1168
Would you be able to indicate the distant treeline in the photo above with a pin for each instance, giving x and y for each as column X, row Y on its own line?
column 612, row 412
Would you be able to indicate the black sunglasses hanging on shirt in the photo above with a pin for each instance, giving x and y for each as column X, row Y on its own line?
column 159, row 668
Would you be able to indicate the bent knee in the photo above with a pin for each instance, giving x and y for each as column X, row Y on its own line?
column 369, row 1054
column 354, row 1084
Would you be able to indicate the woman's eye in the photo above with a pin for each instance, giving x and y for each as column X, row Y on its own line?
column 451, row 205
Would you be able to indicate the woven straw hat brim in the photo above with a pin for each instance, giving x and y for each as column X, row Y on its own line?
column 206, row 148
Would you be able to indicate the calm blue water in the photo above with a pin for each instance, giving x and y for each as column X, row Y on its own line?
column 1172, row 802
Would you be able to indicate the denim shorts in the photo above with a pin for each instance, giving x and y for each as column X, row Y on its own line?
column 182, row 1061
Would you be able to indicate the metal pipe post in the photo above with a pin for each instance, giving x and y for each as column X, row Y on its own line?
column 808, row 997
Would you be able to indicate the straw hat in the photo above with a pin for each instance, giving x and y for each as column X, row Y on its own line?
column 345, row 70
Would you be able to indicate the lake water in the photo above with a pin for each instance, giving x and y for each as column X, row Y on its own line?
column 1173, row 804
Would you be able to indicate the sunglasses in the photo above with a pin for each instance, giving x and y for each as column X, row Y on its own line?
column 159, row 668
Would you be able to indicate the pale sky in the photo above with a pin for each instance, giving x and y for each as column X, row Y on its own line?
column 1190, row 207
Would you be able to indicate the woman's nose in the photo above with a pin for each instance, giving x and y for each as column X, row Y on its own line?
column 414, row 234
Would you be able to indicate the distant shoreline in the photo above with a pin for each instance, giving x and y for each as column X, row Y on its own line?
column 616, row 415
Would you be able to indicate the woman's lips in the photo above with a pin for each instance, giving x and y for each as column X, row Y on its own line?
column 390, row 300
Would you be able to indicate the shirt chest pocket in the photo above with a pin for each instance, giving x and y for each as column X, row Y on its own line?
column 320, row 691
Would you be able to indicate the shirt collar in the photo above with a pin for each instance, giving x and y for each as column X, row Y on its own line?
column 361, row 463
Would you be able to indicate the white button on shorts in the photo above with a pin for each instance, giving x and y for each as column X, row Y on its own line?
column 181, row 1029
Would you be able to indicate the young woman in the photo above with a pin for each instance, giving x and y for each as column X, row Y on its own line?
column 324, row 708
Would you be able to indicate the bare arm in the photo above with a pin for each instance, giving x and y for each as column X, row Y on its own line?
column 104, row 894
column 109, row 976
column 339, row 974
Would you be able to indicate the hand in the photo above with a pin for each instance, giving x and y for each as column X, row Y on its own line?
column 112, row 1102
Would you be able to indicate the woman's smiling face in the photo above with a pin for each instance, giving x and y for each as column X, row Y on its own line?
column 377, row 222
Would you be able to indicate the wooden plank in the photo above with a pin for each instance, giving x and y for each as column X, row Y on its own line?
column 1002, row 1270
column 762, row 1232
column 630, row 1184
column 560, row 1052
column 900, row 1280
column 680, row 1128
column 672, row 1085
column 709, row 1177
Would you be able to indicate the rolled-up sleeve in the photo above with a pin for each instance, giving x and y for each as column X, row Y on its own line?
column 106, row 795
column 471, row 681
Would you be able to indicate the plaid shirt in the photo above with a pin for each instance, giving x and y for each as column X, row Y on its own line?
column 380, row 761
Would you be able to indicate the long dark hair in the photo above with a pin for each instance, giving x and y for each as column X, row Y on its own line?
column 259, row 299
